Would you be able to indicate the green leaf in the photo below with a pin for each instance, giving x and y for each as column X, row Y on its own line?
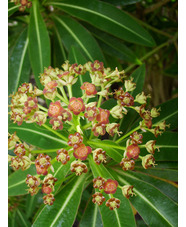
column 31, row 203
column 12, row 8
column 154, row 207
column 39, row 42
column 118, row 217
column 37, row 136
column 18, row 64
column 23, row 221
column 64, row 209
column 75, row 56
column 107, row 18
column 111, row 148
column 91, row 216
column 122, row 2
column 16, row 181
column 73, row 33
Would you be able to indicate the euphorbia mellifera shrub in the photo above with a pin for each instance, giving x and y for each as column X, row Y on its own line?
column 83, row 119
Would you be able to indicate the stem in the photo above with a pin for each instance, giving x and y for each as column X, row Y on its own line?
column 62, row 99
column 42, row 108
column 63, row 93
column 99, row 101
column 110, row 145
column 45, row 151
column 87, row 126
column 128, row 134
column 56, row 133
column 69, row 91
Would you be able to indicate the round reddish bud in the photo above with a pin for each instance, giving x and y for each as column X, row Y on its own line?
column 148, row 161
column 127, row 191
column 63, row 156
column 30, row 104
column 91, row 113
column 20, row 150
column 29, row 4
column 103, row 116
column 136, row 138
column 75, row 140
column 127, row 164
column 78, row 168
column 98, row 198
column 133, row 151
column 55, row 109
column 47, row 189
column 76, row 105
column 97, row 66
column 56, row 123
column 23, row 2
column 48, row 184
column 113, row 203
column 50, row 90
column 99, row 183
column 90, row 89
column 99, row 129
column 32, row 181
column 42, row 164
column 110, row 186
column 127, row 100
column 66, row 115
column 99, row 156
column 82, row 152
column 49, row 199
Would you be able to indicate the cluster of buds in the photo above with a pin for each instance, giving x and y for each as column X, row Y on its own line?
column 24, row 4
column 33, row 183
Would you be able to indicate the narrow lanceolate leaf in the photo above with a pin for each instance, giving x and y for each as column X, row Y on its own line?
column 122, row 2
column 91, row 216
column 39, row 43
column 16, row 181
column 107, row 18
column 75, row 56
column 73, row 33
column 22, row 219
column 118, row 217
column 37, row 136
column 154, row 207
column 12, row 8
column 18, row 64
column 64, row 209
column 112, row 149
column 31, row 203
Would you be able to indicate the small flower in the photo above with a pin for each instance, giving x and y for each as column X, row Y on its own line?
column 49, row 199
column 90, row 89
column 42, row 164
column 48, row 184
column 113, row 203
column 66, row 115
column 127, row 164
column 82, row 151
column 76, row 105
column 99, row 129
column 78, row 69
column 97, row 66
column 56, row 123
column 155, row 112
column 75, row 140
column 136, row 138
column 127, row 191
column 141, row 98
column 32, row 181
column 133, row 151
column 103, row 116
column 99, row 183
column 113, row 128
column 33, row 191
column 156, row 131
column 78, row 167
column 40, row 117
column 150, row 146
column 110, row 186
column 129, row 85
column 63, row 156
column 12, row 141
column 162, row 125
column 19, row 150
column 127, row 100
column 118, row 94
column 55, row 109
column 148, row 161
column 50, row 90
column 26, row 163
column 30, row 104
column 25, row 88
column 117, row 112
column 91, row 113
column 98, row 198
column 99, row 156
column 16, row 163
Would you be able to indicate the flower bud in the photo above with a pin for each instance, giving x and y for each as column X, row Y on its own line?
column 141, row 98
column 99, row 156
column 129, row 85
column 113, row 203
column 63, row 156
column 150, row 146
column 42, row 164
column 162, row 125
column 26, row 163
column 99, row 129
column 50, row 90
column 12, row 141
column 32, row 181
column 127, row 191
column 99, row 183
column 155, row 112
column 113, row 128
column 110, row 186
column 75, row 140
column 40, row 117
column 49, row 199
column 117, row 112
column 136, row 138
column 148, row 161
column 98, row 198
column 133, row 151
column 127, row 164
column 103, row 116
column 19, row 150
column 91, row 113
column 56, row 123
column 78, row 167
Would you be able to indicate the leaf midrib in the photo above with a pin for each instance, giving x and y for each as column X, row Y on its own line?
column 101, row 15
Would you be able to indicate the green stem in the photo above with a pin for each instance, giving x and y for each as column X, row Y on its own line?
column 53, row 131
column 69, row 90
column 45, row 151
column 62, row 99
column 99, row 101
column 110, row 145
column 63, row 93
column 42, row 108
column 87, row 126
column 126, row 135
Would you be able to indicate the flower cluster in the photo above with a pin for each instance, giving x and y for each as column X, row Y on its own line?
column 77, row 121
column 24, row 4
